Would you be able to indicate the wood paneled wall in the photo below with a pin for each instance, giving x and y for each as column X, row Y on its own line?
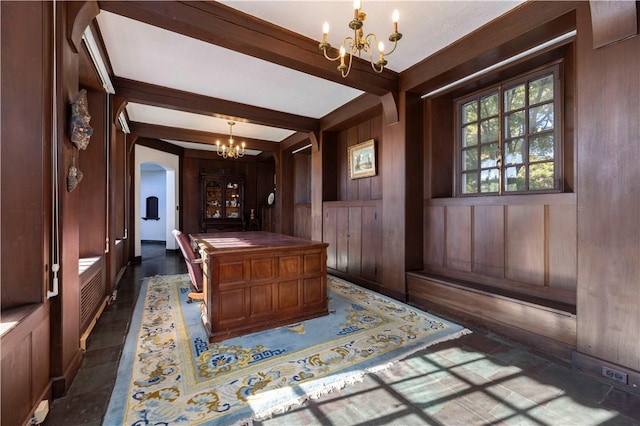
column 195, row 163
column 608, row 159
column 353, row 231
column 25, row 154
column 92, row 190
column 362, row 189
column 525, row 244
column 302, row 178
column 25, row 362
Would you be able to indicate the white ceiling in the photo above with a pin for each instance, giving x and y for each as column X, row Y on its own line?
column 138, row 51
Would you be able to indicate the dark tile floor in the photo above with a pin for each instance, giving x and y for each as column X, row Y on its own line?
column 478, row 379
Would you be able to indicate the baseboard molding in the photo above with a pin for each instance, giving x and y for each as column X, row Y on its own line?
column 59, row 384
column 94, row 321
column 594, row 366
column 120, row 274
column 369, row 285
column 162, row 242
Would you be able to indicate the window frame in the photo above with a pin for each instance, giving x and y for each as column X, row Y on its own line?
column 555, row 69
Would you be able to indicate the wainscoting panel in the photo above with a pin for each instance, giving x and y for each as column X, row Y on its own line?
column 525, row 243
column 525, row 236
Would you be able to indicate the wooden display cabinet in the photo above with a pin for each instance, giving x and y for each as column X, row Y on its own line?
column 222, row 206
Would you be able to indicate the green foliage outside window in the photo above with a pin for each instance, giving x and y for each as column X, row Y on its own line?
column 508, row 138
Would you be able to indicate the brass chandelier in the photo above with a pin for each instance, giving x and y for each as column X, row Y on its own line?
column 231, row 151
column 360, row 43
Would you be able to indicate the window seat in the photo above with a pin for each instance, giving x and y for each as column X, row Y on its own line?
column 11, row 318
column 85, row 264
column 496, row 309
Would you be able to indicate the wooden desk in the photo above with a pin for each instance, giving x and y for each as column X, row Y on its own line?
column 259, row 280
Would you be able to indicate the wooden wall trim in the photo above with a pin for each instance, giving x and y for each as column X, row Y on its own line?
column 297, row 140
column 80, row 15
column 613, row 21
column 390, row 108
column 366, row 203
column 118, row 105
column 356, row 111
column 505, row 200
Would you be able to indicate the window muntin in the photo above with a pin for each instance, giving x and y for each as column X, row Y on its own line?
column 508, row 136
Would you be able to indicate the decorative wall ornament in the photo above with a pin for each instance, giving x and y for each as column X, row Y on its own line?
column 79, row 129
column 74, row 176
column 362, row 159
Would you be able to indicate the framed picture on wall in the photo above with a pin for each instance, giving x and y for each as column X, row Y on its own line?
column 362, row 160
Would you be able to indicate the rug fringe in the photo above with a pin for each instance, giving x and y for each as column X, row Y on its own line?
column 283, row 408
column 351, row 380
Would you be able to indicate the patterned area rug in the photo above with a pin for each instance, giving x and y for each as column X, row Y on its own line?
column 169, row 373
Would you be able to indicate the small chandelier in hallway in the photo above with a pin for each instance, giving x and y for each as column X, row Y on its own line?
column 231, row 151
column 360, row 43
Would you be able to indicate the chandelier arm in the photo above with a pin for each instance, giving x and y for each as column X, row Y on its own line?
column 344, row 74
column 330, row 58
column 359, row 43
column 395, row 44
column 375, row 39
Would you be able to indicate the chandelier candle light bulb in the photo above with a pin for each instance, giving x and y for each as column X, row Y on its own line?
column 394, row 18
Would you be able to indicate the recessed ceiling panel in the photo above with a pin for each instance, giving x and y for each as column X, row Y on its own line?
column 187, row 120
column 426, row 26
column 142, row 52
column 206, row 147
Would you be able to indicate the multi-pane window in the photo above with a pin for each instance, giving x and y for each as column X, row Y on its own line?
column 508, row 137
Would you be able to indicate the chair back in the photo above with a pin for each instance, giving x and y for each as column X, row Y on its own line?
column 195, row 270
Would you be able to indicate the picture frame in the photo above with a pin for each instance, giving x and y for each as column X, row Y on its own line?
column 362, row 160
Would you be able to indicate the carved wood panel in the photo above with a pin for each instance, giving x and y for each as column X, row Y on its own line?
column 288, row 294
column 458, row 237
column 525, row 235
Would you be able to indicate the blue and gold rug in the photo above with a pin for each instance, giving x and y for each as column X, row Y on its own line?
column 169, row 373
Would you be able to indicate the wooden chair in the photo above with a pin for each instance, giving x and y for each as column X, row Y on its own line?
column 193, row 265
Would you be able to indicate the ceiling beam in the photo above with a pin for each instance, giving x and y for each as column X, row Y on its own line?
column 160, row 145
column 295, row 141
column 150, row 94
column 523, row 27
column 224, row 26
column 359, row 109
column 197, row 136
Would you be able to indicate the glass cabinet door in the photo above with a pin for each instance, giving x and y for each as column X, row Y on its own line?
column 213, row 200
column 233, row 199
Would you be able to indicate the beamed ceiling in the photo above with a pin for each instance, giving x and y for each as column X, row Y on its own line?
column 187, row 68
